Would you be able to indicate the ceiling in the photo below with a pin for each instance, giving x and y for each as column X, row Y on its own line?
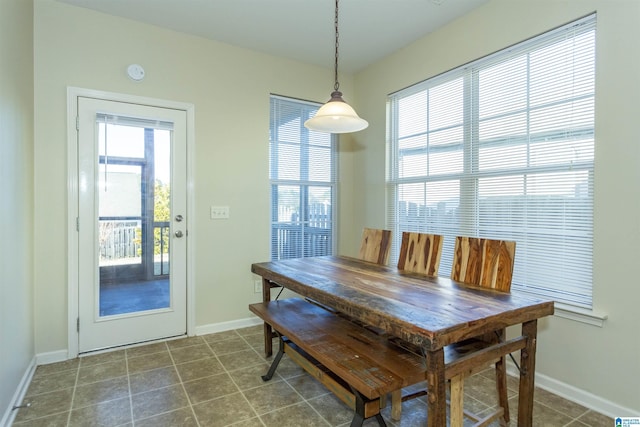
column 298, row 29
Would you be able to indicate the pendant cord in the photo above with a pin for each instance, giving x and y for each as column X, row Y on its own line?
column 336, row 85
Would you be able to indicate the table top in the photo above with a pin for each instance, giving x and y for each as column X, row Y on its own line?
column 428, row 311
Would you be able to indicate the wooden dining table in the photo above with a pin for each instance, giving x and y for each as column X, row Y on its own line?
column 430, row 312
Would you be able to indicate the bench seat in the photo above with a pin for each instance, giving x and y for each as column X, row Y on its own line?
column 357, row 365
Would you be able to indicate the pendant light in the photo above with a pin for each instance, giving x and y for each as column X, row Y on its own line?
column 336, row 116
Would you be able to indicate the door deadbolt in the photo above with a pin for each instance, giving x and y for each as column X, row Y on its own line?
column 179, row 218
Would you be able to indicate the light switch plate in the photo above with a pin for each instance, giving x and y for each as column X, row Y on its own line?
column 219, row 212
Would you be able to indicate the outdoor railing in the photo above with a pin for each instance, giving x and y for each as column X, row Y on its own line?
column 121, row 243
column 296, row 241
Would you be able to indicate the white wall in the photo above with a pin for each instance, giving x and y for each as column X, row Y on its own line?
column 230, row 89
column 604, row 362
column 16, row 191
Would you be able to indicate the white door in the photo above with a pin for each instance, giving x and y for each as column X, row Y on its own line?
column 132, row 223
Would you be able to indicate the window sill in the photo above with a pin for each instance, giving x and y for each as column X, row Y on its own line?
column 580, row 315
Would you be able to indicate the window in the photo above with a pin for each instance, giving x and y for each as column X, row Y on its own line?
column 303, row 177
column 504, row 148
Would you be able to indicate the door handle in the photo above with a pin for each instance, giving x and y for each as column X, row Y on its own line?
column 178, row 233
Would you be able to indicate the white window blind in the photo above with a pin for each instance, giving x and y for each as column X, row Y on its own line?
column 503, row 148
column 303, row 177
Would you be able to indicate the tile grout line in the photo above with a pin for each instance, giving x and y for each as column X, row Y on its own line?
column 182, row 381
column 283, row 379
column 73, row 395
column 234, row 382
column 304, row 399
column 126, row 361
column 175, row 368
column 572, row 419
column 155, row 389
column 294, row 389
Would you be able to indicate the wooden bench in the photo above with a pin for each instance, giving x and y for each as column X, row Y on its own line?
column 357, row 365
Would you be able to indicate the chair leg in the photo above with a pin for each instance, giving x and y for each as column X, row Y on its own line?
column 501, row 379
column 396, row 404
column 501, row 385
column 457, row 401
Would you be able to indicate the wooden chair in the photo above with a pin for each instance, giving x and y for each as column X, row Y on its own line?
column 375, row 246
column 488, row 264
column 483, row 262
column 420, row 253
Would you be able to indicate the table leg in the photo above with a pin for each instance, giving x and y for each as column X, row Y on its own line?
column 527, row 374
column 268, row 333
column 437, row 398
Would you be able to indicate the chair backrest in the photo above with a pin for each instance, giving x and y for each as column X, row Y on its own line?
column 484, row 262
column 420, row 253
column 375, row 246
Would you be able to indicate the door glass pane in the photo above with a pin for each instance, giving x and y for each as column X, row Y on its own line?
column 133, row 196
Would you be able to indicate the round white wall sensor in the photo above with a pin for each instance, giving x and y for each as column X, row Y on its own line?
column 135, row 72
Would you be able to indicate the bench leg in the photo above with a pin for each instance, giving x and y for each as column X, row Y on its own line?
column 357, row 420
column 396, row 404
column 358, row 416
column 276, row 361
column 268, row 335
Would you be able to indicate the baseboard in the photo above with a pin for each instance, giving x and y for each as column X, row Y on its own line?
column 10, row 414
column 52, row 357
column 62, row 355
column 227, row 326
column 579, row 396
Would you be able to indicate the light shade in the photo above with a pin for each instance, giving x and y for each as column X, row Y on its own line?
column 336, row 116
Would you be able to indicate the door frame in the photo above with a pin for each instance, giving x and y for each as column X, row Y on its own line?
column 73, row 202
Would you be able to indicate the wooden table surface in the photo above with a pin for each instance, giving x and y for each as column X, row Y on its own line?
column 430, row 312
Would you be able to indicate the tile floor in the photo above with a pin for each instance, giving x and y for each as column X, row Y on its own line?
column 214, row 380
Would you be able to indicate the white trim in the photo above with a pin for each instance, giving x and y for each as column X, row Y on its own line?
column 72, row 200
column 72, row 215
column 53, row 357
column 191, row 211
column 576, row 395
column 212, row 328
column 579, row 315
column 18, row 396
